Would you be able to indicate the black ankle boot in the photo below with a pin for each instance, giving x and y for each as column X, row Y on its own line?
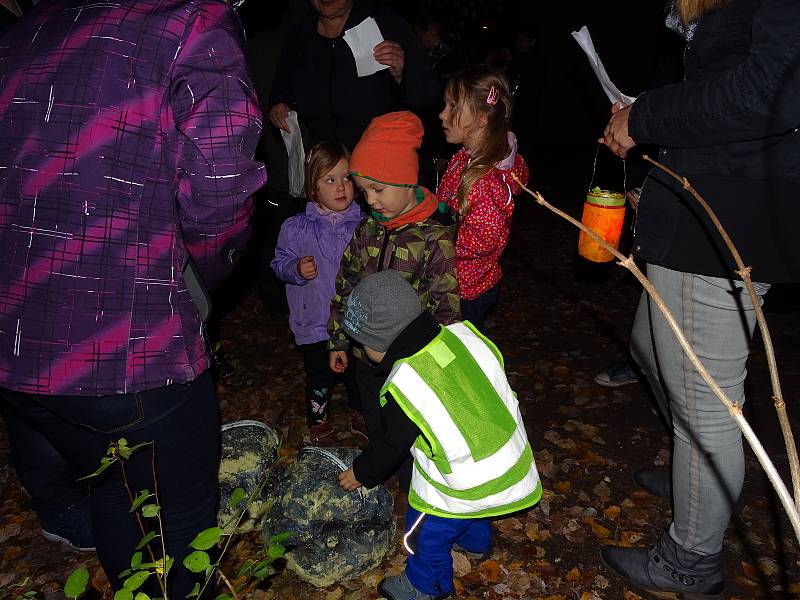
column 656, row 481
column 665, row 569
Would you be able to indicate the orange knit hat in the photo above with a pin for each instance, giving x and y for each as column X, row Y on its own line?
column 387, row 150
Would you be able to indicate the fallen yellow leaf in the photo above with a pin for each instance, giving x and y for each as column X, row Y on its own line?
column 491, row 570
column 562, row 487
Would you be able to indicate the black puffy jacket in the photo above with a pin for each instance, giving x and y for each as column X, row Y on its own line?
column 731, row 127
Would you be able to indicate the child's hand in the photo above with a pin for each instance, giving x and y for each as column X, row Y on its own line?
column 307, row 267
column 337, row 359
column 348, row 481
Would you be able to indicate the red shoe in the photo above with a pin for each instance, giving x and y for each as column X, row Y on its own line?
column 357, row 425
column 322, row 434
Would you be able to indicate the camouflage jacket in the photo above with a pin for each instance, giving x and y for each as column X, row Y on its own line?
column 423, row 252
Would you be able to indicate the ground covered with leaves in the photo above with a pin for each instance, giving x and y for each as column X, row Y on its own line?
column 558, row 322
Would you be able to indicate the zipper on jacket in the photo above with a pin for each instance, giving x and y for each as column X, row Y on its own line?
column 384, row 246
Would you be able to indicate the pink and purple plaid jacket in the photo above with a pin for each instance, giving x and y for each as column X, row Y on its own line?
column 127, row 131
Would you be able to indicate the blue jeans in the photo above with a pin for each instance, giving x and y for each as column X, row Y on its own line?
column 717, row 318
column 183, row 422
column 475, row 310
column 47, row 475
column 430, row 568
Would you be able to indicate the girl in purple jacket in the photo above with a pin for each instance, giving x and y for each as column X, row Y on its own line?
column 307, row 256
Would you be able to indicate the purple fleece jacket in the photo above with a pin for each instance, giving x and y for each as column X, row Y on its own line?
column 323, row 235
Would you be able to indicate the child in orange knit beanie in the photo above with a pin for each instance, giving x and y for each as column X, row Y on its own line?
column 404, row 231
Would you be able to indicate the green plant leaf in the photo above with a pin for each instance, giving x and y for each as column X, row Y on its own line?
column 223, row 597
column 142, row 596
column 105, row 462
column 206, row 538
column 123, row 594
column 140, row 499
column 122, row 448
column 30, row 594
column 136, row 560
column 195, row 591
column 139, row 446
column 275, row 551
column 126, row 451
column 237, row 496
column 170, row 561
column 125, row 573
column 246, row 569
column 262, row 573
column 197, row 561
column 135, row 581
column 146, row 540
column 76, row 583
column 150, row 510
column 280, row 538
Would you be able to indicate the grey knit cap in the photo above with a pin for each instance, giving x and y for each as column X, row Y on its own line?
column 379, row 308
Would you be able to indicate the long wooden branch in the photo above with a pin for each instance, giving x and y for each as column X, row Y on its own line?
column 744, row 273
column 733, row 408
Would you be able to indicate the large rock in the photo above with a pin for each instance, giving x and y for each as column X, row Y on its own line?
column 337, row 535
column 248, row 461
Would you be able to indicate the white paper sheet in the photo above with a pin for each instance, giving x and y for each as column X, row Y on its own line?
column 297, row 155
column 362, row 39
column 584, row 40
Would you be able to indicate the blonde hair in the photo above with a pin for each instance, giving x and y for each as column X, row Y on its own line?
column 321, row 159
column 691, row 10
column 472, row 88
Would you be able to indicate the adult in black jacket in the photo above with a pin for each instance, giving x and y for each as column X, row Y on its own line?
column 316, row 73
column 731, row 127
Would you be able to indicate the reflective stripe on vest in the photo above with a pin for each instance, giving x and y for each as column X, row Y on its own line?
column 473, row 453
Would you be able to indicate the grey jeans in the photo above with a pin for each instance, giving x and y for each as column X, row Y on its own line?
column 717, row 318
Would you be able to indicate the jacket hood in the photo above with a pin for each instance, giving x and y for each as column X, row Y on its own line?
column 512, row 165
column 351, row 213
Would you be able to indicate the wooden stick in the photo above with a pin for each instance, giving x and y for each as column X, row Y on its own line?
column 733, row 408
column 744, row 273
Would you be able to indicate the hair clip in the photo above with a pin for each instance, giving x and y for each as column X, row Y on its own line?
column 491, row 97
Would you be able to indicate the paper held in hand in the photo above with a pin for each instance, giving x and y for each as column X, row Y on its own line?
column 584, row 40
column 362, row 39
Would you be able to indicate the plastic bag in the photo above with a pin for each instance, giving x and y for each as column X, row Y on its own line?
column 297, row 155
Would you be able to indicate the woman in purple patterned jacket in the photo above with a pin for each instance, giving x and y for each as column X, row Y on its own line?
column 128, row 136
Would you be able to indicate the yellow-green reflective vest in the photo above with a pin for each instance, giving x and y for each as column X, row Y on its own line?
column 473, row 458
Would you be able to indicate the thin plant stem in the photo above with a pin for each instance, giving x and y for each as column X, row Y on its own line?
column 121, row 462
column 744, row 272
column 160, row 522
column 228, row 584
column 733, row 408
column 218, row 563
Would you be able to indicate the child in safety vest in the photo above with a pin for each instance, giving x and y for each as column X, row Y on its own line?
column 446, row 397
column 405, row 232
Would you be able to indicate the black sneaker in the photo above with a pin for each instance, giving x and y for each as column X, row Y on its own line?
column 71, row 527
column 616, row 374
